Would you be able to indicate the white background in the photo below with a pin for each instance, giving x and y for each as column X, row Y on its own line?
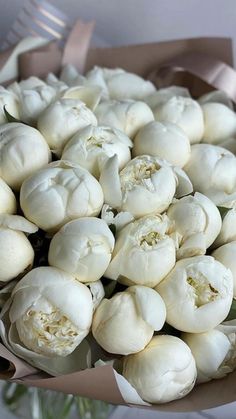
column 120, row 22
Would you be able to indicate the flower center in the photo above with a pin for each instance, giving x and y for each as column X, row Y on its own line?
column 150, row 239
column 138, row 174
column 203, row 291
column 49, row 333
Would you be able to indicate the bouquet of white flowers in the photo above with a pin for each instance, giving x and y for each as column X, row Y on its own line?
column 117, row 237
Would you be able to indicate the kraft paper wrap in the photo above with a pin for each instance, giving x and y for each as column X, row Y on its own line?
column 206, row 61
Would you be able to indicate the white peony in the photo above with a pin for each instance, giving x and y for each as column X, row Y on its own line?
column 198, row 294
column 214, row 351
column 196, row 221
column 82, row 248
column 212, row 171
column 16, row 252
column 60, row 192
column 184, row 112
column 7, row 199
column 144, row 252
column 62, row 119
column 226, row 254
column 126, row 115
column 146, row 185
column 220, row 122
column 91, row 146
column 23, row 150
column 164, row 371
column 126, row 323
column 164, row 140
column 90, row 95
column 32, row 102
column 52, row 311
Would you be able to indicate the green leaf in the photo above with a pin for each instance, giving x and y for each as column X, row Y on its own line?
column 232, row 312
column 9, row 117
column 223, row 211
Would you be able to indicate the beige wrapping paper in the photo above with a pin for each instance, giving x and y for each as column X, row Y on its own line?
column 103, row 382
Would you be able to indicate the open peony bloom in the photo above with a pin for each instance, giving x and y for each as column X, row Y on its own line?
column 7, row 199
column 220, row 122
column 144, row 252
column 126, row 115
column 91, row 146
column 10, row 101
column 212, row 171
column 120, row 84
column 164, row 140
column 184, row 112
column 216, row 96
column 214, row 351
column 62, row 119
column 226, row 254
column 161, row 96
column 146, row 185
column 126, row 323
column 164, row 371
column 82, row 248
column 197, row 222
column 52, row 311
column 16, row 252
column 198, row 294
column 23, row 150
column 59, row 193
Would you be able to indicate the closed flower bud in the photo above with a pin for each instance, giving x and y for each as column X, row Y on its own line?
column 220, row 122
column 62, row 119
column 184, row 112
column 164, row 140
column 60, row 192
column 82, row 248
column 23, row 150
column 16, row 252
column 126, row 115
column 164, row 371
column 91, row 146
column 7, row 199
column 126, row 323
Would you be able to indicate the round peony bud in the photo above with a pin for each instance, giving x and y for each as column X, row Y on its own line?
column 220, row 122
column 226, row 254
column 164, row 371
column 126, row 115
column 7, row 199
column 82, row 248
column 16, row 252
column 126, row 323
column 164, row 140
column 60, row 192
column 184, row 112
column 91, row 146
column 62, row 119
column 23, row 151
